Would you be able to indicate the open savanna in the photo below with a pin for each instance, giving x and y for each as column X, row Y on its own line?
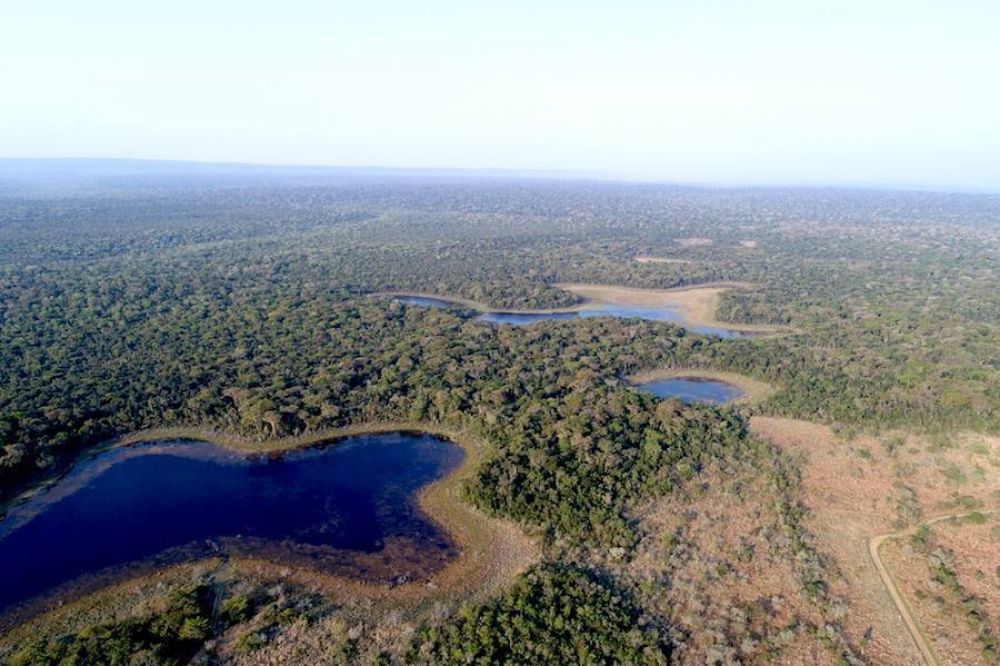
column 948, row 573
column 717, row 562
column 862, row 489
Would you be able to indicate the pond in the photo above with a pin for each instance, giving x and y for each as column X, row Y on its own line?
column 693, row 389
column 607, row 310
column 424, row 301
column 591, row 309
column 347, row 508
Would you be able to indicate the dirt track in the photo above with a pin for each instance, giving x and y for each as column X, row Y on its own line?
column 926, row 651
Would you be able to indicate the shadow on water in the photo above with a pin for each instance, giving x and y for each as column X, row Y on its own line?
column 347, row 508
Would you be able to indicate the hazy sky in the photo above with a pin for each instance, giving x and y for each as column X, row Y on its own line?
column 902, row 93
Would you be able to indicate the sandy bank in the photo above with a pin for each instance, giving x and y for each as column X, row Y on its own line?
column 697, row 304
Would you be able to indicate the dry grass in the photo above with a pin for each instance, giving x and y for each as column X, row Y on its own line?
column 855, row 490
column 115, row 602
column 753, row 390
column 718, row 567
column 938, row 610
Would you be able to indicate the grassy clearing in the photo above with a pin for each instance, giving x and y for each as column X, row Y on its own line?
column 938, row 576
column 853, row 501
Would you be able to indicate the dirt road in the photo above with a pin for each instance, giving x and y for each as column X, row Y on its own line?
column 926, row 651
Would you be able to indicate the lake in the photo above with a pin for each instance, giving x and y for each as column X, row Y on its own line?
column 607, row 310
column 693, row 389
column 347, row 508
column 592, row 309
column 424, row 301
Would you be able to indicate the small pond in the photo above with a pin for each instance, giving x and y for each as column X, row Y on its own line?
column 424, row 301
column 693, row 389
column 347, row 508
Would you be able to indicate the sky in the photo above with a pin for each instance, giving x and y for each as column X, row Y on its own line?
column 881, row 92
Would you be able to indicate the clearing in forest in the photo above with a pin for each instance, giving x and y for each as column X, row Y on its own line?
column 859, row 490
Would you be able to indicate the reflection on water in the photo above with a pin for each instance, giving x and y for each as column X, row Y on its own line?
column 188, row 497
column 424, row 301
column 524, row 318
column 693, row 389
column 607, row 310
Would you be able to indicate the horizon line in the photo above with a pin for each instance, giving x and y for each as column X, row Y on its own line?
column 527, row 173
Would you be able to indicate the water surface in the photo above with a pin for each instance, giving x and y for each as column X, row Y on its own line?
column 592, row 309
column 693, row 389
column 175, row 500
column 607, row 310
column 424, row 301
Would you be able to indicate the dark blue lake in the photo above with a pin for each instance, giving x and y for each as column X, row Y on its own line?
column 693, row 389
column 606, row 310
column 168, row 501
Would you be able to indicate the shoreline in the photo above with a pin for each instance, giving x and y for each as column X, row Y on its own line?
column 754, row 390
column 696, row 303
column 476, row 305
column 490, row 550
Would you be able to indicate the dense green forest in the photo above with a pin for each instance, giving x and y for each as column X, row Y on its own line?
column 123, row 308
column 249, row 304
column 552, row 616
